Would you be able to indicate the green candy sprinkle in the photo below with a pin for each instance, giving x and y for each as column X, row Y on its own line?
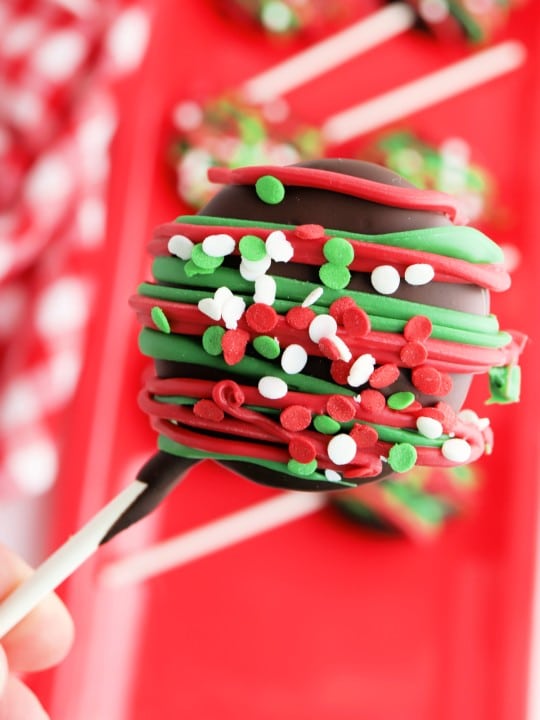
column 270, row 190
column 211, row 340
column 402, row 457
column 338, row 251
column 336, row 277
column 160, row 319
column 303, row 469
column 400, row 400
column 326, row 425
column 252, row 248
column 191, row 269
column 267, row 346
column 204, row 261
column 504, row 384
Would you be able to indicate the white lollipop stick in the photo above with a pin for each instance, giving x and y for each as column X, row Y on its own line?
column 210, row 538
column 428, row 90
column 64, row 561
column 329, row 53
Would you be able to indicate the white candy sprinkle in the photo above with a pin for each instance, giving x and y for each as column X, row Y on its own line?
column 419, row 274
column 361, row 370
column 265, row 290
column 210, row 308
column 341, row 449
column 385, row 279
column 470, row 417
column 181, row 246
column 332, row 476
column 218, row 245
column 313, row 296
column 251, row 270
column 429, row 427
column 294, row 359
column 322, row 326
column 232, row 311
column 272, row 388
column 278, row 247
column 456, row 450
column 344, row 352
column 222, row 295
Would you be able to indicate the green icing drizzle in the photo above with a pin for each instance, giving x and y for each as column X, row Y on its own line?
column 457, row 241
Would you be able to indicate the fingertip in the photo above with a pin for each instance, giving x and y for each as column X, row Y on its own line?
column 18, row 702
column 3, row 670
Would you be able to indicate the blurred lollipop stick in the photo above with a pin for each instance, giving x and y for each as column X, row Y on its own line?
column 64, row 561
column 329, row 53
column 212, row 537
column 419, row 94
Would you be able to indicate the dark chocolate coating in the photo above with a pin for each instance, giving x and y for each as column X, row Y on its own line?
column 337, row 212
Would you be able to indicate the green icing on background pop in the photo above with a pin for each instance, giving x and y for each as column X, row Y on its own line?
column 270, row 190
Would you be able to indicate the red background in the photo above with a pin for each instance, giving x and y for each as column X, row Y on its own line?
column 317, row 619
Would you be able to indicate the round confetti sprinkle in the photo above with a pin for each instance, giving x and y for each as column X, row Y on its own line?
column 446, row 384
column 232, row 311
column 303, row 469
column 341, row 346
column 335, row 277
column 326, row 425
column 385, row 279
column 361, row 370
column 309, row 232
column 419, row 274
column 272, row 388
column 402, row 457
column 270, row 190
column 265, row 290
column 181, row 246
column 322, row 326
column 252, row 248
column 448, row 415
column 338, row 251
column 338, row 307
column 364, row 435
column 341, row 449
column 208, row 410
column 218, row 245
column 278, row 247
column 251, row 271
column 429, row 427
column 339, row 371
column 332, row 475
column 413, row 354
column 299, row 317
column 418, row 328
column 211, row 340
column 313, row 296
column 302, row 450
column 160, row 320
column 456, row 450
column 426, row 379
column 341, row 408
column 261, row 318
column 295, row 418
column 400, row 400
column 372, row 401
column 267, row 346
column 329, row 348
column 384, row 375
column 204, row 261
column 294, row 359
column 234, row 344
column 356, row 321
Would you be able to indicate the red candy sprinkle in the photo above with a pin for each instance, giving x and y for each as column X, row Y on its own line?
column 413, row 354
column 449, row 415
column 339, row 371
column 295, row 418
column 418, row 328
column 338, row 307
column 234, row 344
column 329, row 349
column 300, row 317
column 309, row 232
column 426, row 379
column 208, row 410
column 364, row 435
column 446, row 384
column 302, row 450
column 341, row 408
column 372, row 401
column 384, row 375
column 356, row 321
column 261, row 318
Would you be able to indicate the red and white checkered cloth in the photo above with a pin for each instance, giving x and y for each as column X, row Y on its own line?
column 59, row 60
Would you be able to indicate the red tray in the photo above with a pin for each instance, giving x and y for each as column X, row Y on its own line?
column 315, row 619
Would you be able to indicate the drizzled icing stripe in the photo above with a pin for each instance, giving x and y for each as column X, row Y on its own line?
column 407, row 198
